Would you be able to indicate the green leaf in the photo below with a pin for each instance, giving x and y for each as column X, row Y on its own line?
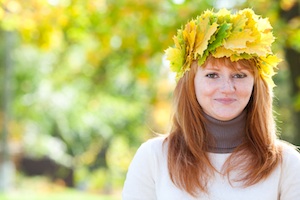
column 222, row 33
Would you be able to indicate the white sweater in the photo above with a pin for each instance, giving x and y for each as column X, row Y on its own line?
column 148, row 178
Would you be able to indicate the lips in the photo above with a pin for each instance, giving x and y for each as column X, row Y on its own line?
column 225, row 101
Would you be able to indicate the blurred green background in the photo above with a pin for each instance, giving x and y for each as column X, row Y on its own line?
column 85, row 82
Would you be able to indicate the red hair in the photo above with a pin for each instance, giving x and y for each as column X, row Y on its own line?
column 188, row 162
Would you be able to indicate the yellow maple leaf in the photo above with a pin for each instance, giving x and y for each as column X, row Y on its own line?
column 260, row 46
column 224, row 15
column 189, row 36
column 222, row 52
column 251, row 16
column 189, row 33
column 204, row 33
column 267, row 65
column 174, row 55
column 264, row 25
column 239, row 34
column 207, row 14
column 176, row 41
column 239, row 39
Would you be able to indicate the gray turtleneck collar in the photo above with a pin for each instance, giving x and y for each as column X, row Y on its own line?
column 226, row 135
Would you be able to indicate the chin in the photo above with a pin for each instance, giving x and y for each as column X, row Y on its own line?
column 225, row 118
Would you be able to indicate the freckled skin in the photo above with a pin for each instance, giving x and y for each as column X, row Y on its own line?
column 223, row 92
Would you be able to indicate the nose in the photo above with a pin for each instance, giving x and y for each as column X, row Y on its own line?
column 227, row 86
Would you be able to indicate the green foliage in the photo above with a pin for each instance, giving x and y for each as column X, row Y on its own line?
column 87, row 77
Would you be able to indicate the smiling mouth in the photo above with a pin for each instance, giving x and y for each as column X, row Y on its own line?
column 225, row 100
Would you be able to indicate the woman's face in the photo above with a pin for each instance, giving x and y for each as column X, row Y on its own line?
column 223, row 92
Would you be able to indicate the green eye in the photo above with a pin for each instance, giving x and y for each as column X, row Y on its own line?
column 239, row 75
column 212, row 75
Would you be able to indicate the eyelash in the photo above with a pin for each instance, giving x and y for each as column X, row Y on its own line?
column 212, row 75
column 241, row 75
column 215, row 75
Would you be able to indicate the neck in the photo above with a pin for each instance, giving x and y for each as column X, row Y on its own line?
column 225, row 135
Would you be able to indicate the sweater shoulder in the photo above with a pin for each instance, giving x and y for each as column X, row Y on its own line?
column 288, row 148
column 290, row 154
column 155, row 145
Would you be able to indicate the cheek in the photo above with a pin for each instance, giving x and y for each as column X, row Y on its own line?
column 203, row 91
column 246, row 90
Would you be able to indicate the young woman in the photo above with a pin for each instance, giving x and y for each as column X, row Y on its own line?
column 223, row 143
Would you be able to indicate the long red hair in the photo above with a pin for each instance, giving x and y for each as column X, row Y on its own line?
column 188, row 162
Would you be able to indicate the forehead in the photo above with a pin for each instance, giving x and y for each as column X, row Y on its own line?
column 221, row 66
column 217, row 63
